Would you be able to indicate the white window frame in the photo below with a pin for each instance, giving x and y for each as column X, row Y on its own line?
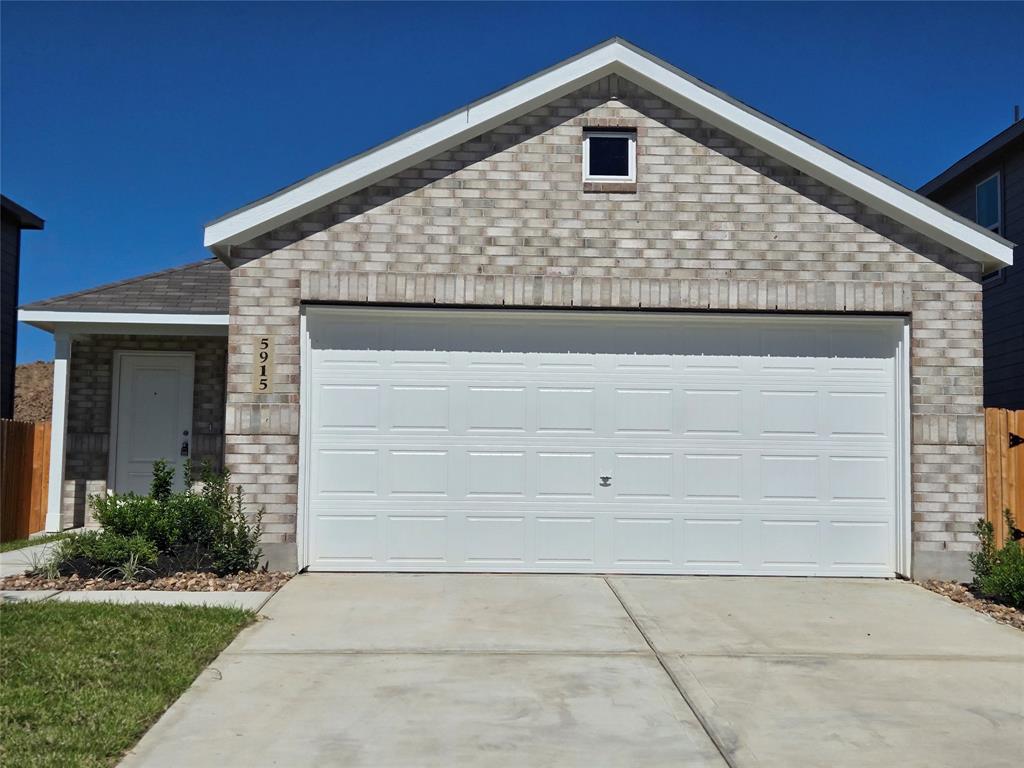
column 998, row 226
column 609, row 134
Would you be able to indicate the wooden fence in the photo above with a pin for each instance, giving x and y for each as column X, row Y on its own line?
column 24, row 477
column 1004, row 468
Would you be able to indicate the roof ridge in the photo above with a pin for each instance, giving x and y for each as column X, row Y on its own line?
column 120, row 283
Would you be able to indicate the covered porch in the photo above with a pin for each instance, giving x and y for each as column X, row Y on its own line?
column 139, row 374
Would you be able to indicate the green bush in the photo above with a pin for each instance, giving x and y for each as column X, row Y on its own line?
column 131, row 515
column 104, row 549
column 999, row 571
column 199, row 528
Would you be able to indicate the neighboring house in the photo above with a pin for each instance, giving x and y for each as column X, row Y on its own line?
column 987, row 186
column 607, row 319
column 14, row 220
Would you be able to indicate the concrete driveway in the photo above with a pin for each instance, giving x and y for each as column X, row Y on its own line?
column 488, row 670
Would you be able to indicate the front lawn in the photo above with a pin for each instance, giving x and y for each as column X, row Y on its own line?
column 81, row 683
column 10, row 546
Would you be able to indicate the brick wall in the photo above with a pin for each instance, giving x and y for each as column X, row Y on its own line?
column 89, row 401
column 713, row 224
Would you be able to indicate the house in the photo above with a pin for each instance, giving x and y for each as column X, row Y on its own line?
column 14, row 219
column 607, row 319
column 987, row 186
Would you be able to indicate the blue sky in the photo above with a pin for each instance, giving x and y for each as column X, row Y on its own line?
column 129, row 126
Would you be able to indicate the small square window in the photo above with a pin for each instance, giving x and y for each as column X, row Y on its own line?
column 988, row 205
column 609, row 156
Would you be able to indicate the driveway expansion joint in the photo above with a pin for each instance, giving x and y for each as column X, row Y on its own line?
column 723, row 749
column 439, row 652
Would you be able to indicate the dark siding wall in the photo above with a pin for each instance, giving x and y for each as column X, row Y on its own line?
column 9, row 248
column 1004, row 294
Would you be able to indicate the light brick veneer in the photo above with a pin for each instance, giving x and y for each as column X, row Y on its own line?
column 89, row 401
column 714, row 224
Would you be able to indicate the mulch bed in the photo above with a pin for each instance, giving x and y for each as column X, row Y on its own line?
column 962, row 593
column 187, row 581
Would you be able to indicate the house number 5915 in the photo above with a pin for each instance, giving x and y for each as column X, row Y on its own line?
column 263, row 364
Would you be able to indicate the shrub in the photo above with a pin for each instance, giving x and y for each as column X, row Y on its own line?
column 93, row 552
column 203, row 527
column 131, row 515
column 238, row 545
column 999, row 571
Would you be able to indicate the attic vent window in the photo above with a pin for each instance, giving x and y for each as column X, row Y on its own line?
column 609, row 156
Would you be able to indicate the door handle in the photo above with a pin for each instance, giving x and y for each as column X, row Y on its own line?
column 606, row 480
column 184, row 447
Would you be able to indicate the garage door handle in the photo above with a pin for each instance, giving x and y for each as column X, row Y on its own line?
column 606, row 480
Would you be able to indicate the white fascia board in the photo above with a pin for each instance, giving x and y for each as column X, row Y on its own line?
column 124, row 322
column 612, row 58
column 408, row 150
column 824, row 166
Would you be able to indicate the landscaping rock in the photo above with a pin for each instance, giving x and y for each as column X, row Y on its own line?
column 961, row 593
column 187, row 581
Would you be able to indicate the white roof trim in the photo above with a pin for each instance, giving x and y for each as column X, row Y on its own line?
column 119, row 322
column 614, row 57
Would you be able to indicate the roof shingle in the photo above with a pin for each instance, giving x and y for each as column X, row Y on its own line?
column 200, row 288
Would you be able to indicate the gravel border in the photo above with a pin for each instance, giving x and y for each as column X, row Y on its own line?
column 187, row 581
column 961, row 593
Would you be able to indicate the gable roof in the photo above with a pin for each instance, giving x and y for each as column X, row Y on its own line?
column 997, row 143
column 199, row 288
column 616, row 56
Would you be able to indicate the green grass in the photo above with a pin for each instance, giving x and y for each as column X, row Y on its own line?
column 10, row 546
column 81, row 683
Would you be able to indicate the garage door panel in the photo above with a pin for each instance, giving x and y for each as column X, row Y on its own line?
column 418, row 472
column 712, row 476
column 859, row 414
column 566, row 475
column 713, row 544
column 347, row 472
column 860, row 479
column 857, row 544
column 792, row 478
column 790, row 543
column 347, row 540
column 644, row 541
column 418, row 407
column 565, row 540
column 495, row 474
column 496, row 408
column 495, row 540
column 642, row 475
column 623, row 540
column 348, row 407
column 418, row 539
column 728, row 447
column 788, row 412
column 712, row 411
column 646, row 411
column 566, row 409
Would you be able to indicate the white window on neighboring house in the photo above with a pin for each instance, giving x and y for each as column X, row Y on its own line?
column 609, row 156
column 988, row 203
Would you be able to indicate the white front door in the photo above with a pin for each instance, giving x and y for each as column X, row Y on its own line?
column 600, row 442
column 153, row 416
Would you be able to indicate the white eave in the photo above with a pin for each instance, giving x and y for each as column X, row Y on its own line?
column 125, row 322
column 687, row 93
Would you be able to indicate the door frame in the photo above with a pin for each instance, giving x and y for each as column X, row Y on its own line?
column 903, row 530
column 115, row 399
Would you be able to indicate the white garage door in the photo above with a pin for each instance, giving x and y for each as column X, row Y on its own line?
column 599, row 442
